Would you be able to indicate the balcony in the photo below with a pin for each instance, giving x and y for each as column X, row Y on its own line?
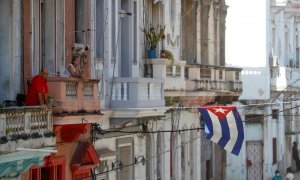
column 235, row 86
column 175, row 79
column 75, row 100
column 213, row 78
column 137, row 93
column 284, row 78
column 279, row 2
column 29, row 127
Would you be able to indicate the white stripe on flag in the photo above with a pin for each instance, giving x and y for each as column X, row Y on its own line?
column 216, row 127
column 233, row 131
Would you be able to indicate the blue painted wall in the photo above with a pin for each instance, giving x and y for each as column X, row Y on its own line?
column 4, row 50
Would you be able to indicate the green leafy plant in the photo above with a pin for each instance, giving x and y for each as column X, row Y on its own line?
column 154, row 35
column 167, row 54
column 51, row 100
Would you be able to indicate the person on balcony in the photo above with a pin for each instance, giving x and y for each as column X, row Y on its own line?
column 38, row 90
column 73, row 69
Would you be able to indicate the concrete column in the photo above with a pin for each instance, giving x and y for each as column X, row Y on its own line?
column 159, row 67
column 205, row 7
column 223, row 13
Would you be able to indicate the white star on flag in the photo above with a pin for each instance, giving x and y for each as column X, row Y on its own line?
column 221, row 110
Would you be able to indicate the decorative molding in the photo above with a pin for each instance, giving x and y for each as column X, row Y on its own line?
column 217, row 7
column 15, row 168
column 174, row 42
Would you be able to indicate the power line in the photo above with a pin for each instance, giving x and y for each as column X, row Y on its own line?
column 192, row 129
column 288, row 86
column 149, row 132
column 174, row 148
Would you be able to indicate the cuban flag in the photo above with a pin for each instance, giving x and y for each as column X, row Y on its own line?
column 224, row 126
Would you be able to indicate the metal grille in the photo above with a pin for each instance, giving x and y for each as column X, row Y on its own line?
column 254, row 160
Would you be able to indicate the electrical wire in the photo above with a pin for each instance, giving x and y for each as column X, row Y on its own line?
column 259, row 117
column 146, row 159
column 196, row 107
column 174, row 148
column 150, row 132
column 278, row 94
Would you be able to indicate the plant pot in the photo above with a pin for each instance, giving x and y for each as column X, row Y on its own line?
column 152, row 54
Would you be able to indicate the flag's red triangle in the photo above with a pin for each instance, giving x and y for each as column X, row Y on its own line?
column 220, row 111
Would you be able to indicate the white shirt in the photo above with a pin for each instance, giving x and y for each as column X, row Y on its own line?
column 289, row 176
column 66, row 72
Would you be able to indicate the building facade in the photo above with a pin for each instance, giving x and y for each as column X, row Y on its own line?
column 269, row 102
column 149, row 126
column 149, row 105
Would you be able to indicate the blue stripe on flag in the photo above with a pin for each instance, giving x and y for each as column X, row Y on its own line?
column 240, row 138
column 225, row 133
column 208, row 123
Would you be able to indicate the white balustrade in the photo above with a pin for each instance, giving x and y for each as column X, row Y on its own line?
column 120, row 91
column 205, row 78
column 125, row 91
column 139, row 92
column 16, row 121
column 158, row 90
column 113, row 93
column 144, row 91
column 117, row 91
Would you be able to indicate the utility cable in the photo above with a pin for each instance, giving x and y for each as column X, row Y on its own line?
column 132, row 164
column 174, row 148
column 101, row 131
column 278, row 94
column 149, row 132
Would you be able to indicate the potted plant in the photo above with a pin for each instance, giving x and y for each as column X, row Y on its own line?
column 51, row 101
column 153, row 36
column 167, row 55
